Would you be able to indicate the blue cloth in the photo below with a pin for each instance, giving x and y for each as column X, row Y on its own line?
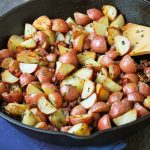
column 13, row 139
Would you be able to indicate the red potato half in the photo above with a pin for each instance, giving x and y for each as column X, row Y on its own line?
column 115, row 97
column 89, row 102
column 130, row 88
column 106, row 61
column 84, row 118
column 128, row 117
column 141, row 111
column 59, row 25
column 98, row 44
column 128, row 65
column 27, row 68
column 144, row 89
column 78, row 110
column 94, row 14
column 131, row 77
column 119, row 108
column 135, row 97
column 99, row 107
column 26, row 78
column 69, row 93
column 104, row 123
column 81, row 19
column 112, row 53
column 56, row 99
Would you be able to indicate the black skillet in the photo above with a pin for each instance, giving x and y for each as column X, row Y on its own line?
column 137, row 11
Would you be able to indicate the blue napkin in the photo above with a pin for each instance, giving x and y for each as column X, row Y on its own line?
column 13, row 139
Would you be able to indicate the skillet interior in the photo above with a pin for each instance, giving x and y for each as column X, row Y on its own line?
column 13, row 23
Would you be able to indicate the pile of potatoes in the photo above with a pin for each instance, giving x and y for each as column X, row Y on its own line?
column 74, row 76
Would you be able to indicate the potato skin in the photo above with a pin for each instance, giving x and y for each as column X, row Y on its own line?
column 135, row 97
column 59, row 25
column 4, row 53
column 78, row 110
column 115, row 97
column 81, row 19
column 69, row 93
column 119, row 108
column 130, row 78
column 94, row 14
column 130, row 88
column 144, row 89
column 98, row 45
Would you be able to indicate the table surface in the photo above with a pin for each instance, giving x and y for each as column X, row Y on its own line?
column 138, row 141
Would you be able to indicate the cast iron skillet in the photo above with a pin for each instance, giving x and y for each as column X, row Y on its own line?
column 137, row 11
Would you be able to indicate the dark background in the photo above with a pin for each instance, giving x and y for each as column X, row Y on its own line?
column 138, row 141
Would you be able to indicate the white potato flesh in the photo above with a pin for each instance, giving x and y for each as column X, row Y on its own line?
column 122, row 44
column 88, row 89
column 80, row 129
column 102, row 76
column 59, row 37
column 84, row 73
column 69, row 37
column 31, row 89
column 29, row 30
column 89, row 28
column 89, row 102
column 30, row 43
column 8, row 77
column 128, row 117
column 45, row 106
column 27, row 68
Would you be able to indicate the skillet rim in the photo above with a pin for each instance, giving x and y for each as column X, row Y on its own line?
column 15, row 122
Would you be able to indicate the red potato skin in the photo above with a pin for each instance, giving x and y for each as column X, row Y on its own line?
column 104, row 123
column 81, row 19
column 141, row 111
column 86, row 44
column 114, row 71
column 78, row 110
column 135, row 97
column 115, row 97
column 128, row 65
column 44, row 126
column 144, row 89
column 94, row 14
column 12, row 97
column 26, row 78
column 130, row 78
column 5, row 53
column 59, row 25
column 51, row 57
column 69, row 93
column 106, row 61
column 99, row 107
column 130, row 88
column 119, row 108
column 65, row 129
column 92, row 36
column 33, row 99
column 69, row 58
column 44, row 75
column 112, row 53
column 98, row 45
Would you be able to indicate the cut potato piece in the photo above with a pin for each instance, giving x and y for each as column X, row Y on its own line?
column 128, row 117
column 112, row 32
column 45, row 106
column 89, row 102
column 63, row 50
column 29, row 30
column 91, row 63
column 51, row 36
column 89, row 28
column 58, row 65
column 98, row 88
column 102, row 76
column 13, row 42
column 7, row 62
column 104, row 20
column 88, row 89
column 58, row 118
column 28, row 44
column 74, row 81
column 84, row 73
column 27, row 68
column 42, row 23
column 29, row 118
column 103, row 94
column 8, row 77
column 138, row 35
column 119, row 22
column 110, row 85
column 64, row 70
column 59, row 37
column 71, row 22
column 147, row 102
column 100, row 29
column 82, row 57
column 31, row 89
column 16, row 109
column 122, row 44
column 110, row 11
column 80, row 129
column 69, row 37
column 49, row 88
